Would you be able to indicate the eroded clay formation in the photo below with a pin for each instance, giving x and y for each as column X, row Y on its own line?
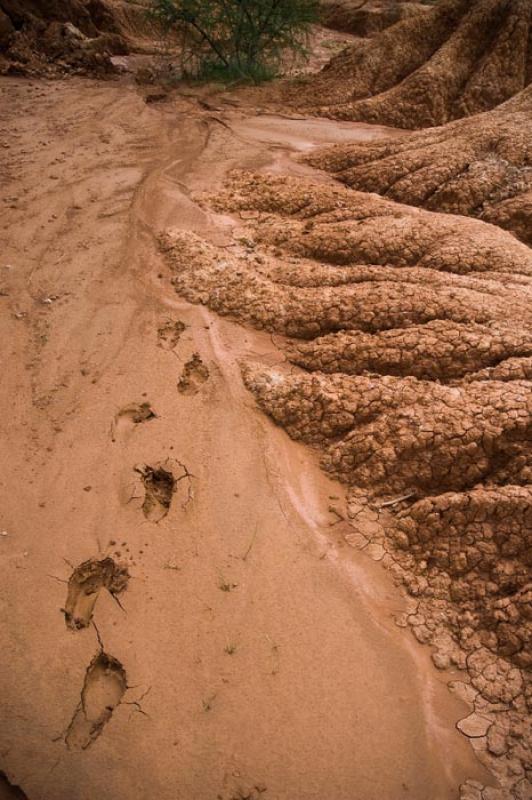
column 367, row 18
column 462, row 57
column 408, row 343
column 52, row 38
column 480, row 166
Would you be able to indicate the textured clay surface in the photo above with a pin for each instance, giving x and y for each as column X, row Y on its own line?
column 409, row 339
column 55, row 37
column 480, row 166
column 367, row 18
column 460, row 58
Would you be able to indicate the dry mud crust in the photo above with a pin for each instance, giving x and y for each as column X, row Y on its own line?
column 459, row 59
column 334, row 260
column 393, row 435
column 439, row 350
column 481, row 166
column 480, row 540
column 408, row 337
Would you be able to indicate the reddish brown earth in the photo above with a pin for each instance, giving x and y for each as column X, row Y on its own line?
column 480, row 166
column 460, row 58
column 228, row 380
column 58, row 37
column 367, row 17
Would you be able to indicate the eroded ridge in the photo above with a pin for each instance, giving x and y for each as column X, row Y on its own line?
column 103, row 689
column 474, row 548
column 462, row 58
column 322, row 259
column 481, row 166
column 391, row 435
column 408, row 342
column 85, row 585
column 439, row 350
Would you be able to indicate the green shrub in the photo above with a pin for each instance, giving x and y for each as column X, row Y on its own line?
column 237, row 39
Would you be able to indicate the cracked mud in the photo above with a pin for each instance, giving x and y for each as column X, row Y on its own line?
column 480, row 166
column 409, row 333
column 461, row 58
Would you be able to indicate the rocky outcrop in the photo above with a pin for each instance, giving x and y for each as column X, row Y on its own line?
column 50, row 38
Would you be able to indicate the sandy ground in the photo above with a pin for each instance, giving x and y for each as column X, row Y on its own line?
column 252, row 653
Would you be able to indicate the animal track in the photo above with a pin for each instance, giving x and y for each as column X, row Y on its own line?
column 86, row 583
column 160, row 485
column 194, row 374
column 103, row 689
column 131, row 415
column 169, row 334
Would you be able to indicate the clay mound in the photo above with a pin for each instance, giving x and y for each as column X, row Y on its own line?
column 409, row 355
column 479, row 539
column 460, row 59
column 440, row 350
column 480, row 166
column 394, row 435
column 39, row 37
column 363, row 18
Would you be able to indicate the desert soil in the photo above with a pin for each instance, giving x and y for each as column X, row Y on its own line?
column 182, row 615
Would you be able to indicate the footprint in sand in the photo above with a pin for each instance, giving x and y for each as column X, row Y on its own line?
column 86, row 583
column 103, row 689
column 159, row 487
column 194, row 375
column 129, row 416
column 169, row 334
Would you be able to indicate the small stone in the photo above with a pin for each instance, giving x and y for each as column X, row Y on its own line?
column 356, row 540
column 375, row 551
column 496, row 742
column 441, row 660
column 474, row 725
